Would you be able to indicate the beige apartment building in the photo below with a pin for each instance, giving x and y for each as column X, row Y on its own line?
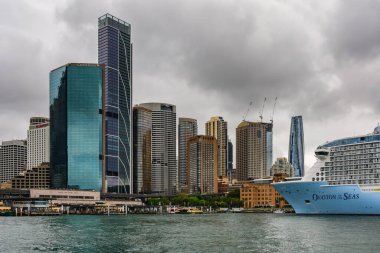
column 202, row 164
column 253, row 150
column 187, row 128
column 217, row 128
column 142, row 150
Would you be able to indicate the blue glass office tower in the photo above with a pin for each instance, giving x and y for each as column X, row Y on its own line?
column 76, row 126
column 269, row 150
column 296, row 146
column 115, row 51
column 230, row 156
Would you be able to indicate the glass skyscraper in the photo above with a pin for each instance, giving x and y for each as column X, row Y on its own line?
column 115, row 51
column 296, row 146
column 269, row 149
column 76, row 126
column 230, row 155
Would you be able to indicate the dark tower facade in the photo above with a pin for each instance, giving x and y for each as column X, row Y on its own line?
column 230, row 156
column 296, row 146
column 115, row 52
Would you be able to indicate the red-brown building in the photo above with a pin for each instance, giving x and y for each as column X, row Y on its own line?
column 223, row 183
column 260, row 193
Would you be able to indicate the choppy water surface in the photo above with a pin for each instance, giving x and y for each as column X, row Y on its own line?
column 190, row 233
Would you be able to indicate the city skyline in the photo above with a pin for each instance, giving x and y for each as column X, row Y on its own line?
column 341, row 63
column 178, row 126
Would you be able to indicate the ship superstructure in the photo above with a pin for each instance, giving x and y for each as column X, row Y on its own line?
column 344, row 180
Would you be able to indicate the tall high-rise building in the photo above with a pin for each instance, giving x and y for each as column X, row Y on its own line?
column 76, row 135
column 253, row 150
column 38, row 142
column 230, row 160
column 230, row 155
column 164, row 163
column 142, row 149
column 296, row 146
column 12, row 159
column 187, row 128
column 217, row 128
column 202, row 163
column 115, row 51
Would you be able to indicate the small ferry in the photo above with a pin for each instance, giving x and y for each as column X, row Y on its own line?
column 5, row 210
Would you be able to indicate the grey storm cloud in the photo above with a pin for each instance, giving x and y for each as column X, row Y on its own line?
column 354, row 31
column 320, row 59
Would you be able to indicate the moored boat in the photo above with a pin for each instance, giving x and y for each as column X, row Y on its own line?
column 6, row 210
column 188, row 210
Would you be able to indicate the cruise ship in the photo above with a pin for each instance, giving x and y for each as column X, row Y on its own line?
column 344, row 180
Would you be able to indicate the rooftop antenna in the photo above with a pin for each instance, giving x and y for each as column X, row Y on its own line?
column 249, row 107
column 274, row 106
column 262, row 110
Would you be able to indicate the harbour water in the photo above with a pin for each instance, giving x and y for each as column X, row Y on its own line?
column 190, row 233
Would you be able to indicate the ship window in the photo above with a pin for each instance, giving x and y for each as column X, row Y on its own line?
column 317, row 174
column 313, row 179
column 317, row 178
column 321, row 178
column 307, row 201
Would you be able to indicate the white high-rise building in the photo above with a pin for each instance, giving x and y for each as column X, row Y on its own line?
column 164, row 162
column 38, row 142
column 12, row 159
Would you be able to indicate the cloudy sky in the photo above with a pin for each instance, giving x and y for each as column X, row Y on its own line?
column 320, row 58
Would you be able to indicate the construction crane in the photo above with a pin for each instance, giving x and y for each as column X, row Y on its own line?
column 274, row 106
column 249, row 107
column 262, row 110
